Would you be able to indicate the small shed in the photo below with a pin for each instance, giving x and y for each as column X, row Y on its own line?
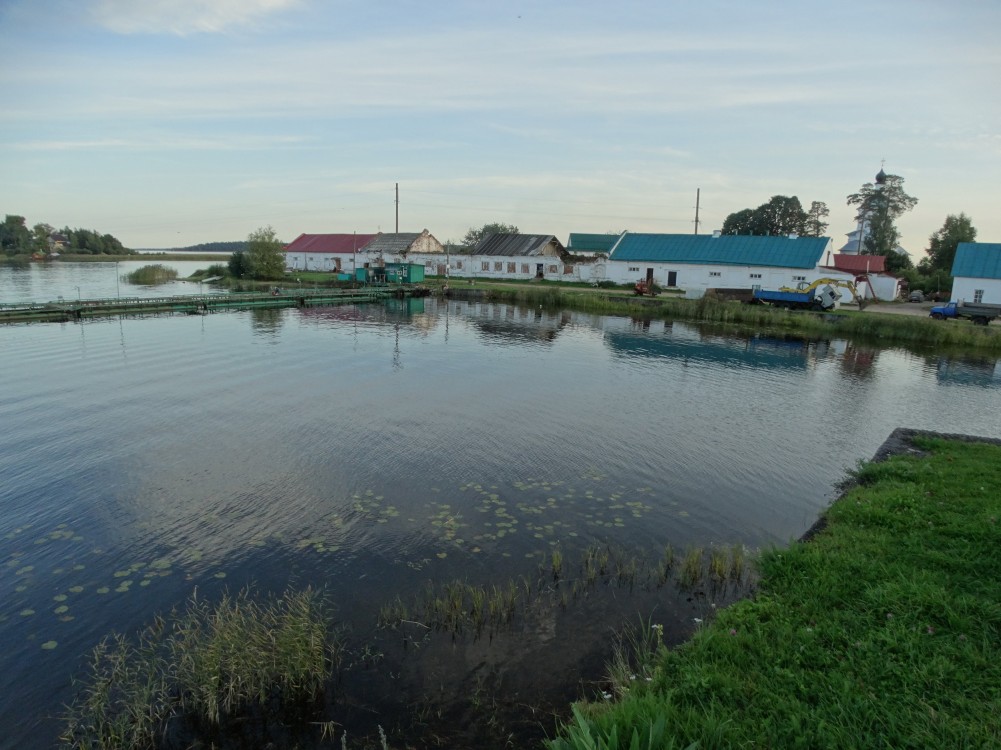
column 404, row 273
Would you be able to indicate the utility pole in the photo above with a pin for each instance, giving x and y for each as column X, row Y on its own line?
column 698, row 191
column 397, row 208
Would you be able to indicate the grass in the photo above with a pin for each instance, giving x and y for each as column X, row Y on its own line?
column 868, row 326
column 210, row 671
column 151, row 275
column 884, row 630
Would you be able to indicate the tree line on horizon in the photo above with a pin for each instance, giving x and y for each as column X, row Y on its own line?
column 16, row 239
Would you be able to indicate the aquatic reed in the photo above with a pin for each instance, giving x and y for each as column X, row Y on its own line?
column 204, row 670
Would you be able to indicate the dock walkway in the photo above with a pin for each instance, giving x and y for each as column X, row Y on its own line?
column 65, row 310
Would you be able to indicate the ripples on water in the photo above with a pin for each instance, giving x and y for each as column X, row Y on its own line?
column 373, row 449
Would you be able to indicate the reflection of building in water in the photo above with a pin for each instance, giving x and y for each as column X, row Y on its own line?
column 985, row 373
column 753, row 352
column 501, row 321
column 854, row 360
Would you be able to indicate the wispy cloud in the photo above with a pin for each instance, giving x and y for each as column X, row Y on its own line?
column 169, row 143
column 183, row 16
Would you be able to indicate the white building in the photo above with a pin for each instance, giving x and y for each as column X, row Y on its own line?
column 976, row 273
column 699, row 262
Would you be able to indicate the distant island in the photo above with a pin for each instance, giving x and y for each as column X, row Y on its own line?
column 205, row 247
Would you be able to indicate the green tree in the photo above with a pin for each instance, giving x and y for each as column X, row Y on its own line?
column 780, row 215
column 15, row 237
column 238, row 265
column 815, row 224
column 878, row 207
column 473, row 236
column 265, row 255
column 40, row 237
column 942, row 245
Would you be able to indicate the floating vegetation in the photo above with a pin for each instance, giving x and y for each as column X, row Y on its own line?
column 210, row 672
column 151, row 275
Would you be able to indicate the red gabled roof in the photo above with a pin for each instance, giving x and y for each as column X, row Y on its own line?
column 860, row 263
column 329, row 243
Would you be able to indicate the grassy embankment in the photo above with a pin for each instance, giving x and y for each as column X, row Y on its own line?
column 883, row 630
column 847, row 323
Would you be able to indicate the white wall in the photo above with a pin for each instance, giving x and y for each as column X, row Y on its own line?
column 964, row 288
column 320, row 261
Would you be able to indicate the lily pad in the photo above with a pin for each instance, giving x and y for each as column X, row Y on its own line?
column 49, row 645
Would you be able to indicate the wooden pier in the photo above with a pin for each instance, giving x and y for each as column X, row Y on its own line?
column 66, row 310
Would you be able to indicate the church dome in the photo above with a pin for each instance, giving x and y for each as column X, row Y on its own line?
column 881, row 178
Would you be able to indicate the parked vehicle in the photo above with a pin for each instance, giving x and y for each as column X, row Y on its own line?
column 821, row 294
column 643, row 288
column 980, row 314
column 916, row 296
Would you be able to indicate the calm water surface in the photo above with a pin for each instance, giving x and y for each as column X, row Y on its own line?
column 373, row 449
column 47, row 282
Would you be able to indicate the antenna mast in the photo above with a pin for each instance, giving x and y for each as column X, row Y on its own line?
column 697, row 194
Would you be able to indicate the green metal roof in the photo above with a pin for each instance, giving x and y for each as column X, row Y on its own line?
column 978, row 260
column 730, row 249
column 591, row 243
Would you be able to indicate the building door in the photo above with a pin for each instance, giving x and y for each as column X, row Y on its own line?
column 649, row 278
column 539, row 270
column 672, row 278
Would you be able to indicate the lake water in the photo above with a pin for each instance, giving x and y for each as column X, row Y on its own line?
column 372, row 450
column 47, row 282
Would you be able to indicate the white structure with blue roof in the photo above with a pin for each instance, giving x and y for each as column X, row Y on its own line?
column 976, row 273
column 699, row 262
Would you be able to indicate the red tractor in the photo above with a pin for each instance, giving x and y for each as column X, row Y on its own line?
column 644, row 288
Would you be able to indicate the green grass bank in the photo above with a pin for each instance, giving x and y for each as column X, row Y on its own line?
column 882, row 630
column 848, row 323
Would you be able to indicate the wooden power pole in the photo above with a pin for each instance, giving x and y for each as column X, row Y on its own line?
column 698, row 191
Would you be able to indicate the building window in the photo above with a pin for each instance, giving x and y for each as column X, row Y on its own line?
column 799, row 278
column 634, row 268
column 715, row 273
column 458, row 265
column 567, row 270
column 524, row 268
column 498, row 265
column 755, row 275
column 551, row 269
column 486, row 265
column 978, row 296
column 511, row 267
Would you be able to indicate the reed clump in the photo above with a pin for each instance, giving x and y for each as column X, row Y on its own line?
column 210, row 672
column 151, row 275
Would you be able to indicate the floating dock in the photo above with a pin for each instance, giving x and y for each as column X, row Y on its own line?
column 66, row 310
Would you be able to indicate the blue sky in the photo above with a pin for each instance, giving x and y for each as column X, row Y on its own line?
column 174, row 122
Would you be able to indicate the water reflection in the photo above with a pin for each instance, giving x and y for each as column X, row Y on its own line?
column 267, row 320
column 981, row 372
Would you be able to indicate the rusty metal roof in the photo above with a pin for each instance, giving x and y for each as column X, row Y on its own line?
column 516, row 244
column 860, row 263
column 329, row 243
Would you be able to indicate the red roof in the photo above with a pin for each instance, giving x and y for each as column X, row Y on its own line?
column 329, row 243
column 860, row 263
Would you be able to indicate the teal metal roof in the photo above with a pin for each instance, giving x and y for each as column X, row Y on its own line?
column 730, row 249
column 978, row 260
column 591, row 243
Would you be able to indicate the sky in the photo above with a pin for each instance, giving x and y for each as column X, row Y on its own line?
column 169, row 123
